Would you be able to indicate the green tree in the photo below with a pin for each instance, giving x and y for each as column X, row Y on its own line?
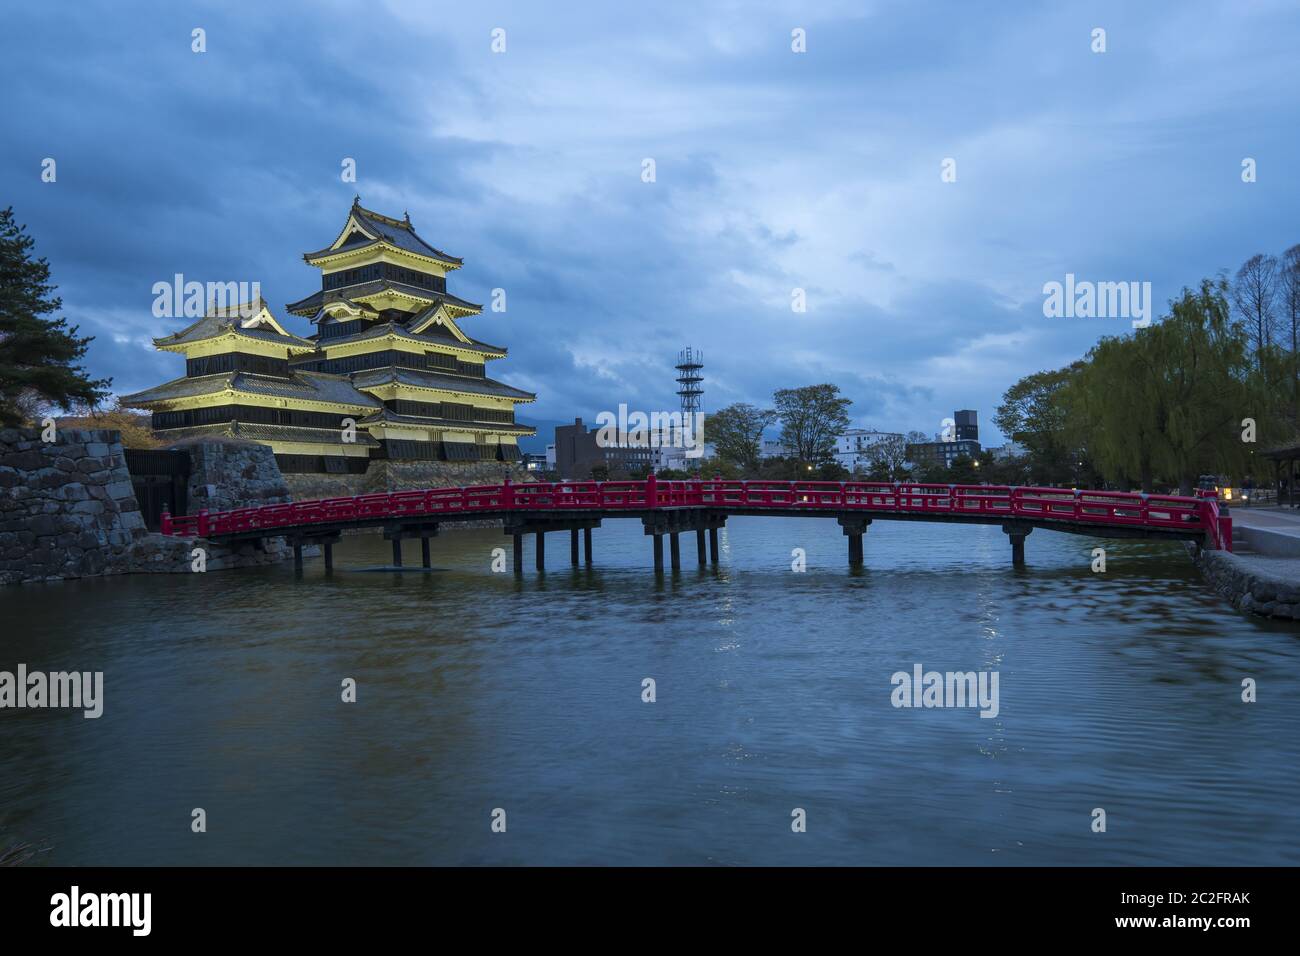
column 1113, row 402
column 888, row 458
column 1035, row 414
column 1201, row 375
column 1166, row 403
column 38, row 355
column 736, row 433
column 962, row 471
column 811, row 417
column 1290, row 297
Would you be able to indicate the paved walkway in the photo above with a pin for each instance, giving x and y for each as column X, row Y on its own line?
column 1283, row 520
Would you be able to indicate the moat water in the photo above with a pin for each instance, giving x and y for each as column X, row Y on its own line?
column 478, row 691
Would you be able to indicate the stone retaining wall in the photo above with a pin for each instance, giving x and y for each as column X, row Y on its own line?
column 230, row 474
column 402, row 476
column 1269, row 587
column 68, row 509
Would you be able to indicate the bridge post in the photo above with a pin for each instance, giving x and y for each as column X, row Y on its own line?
column 586, row 543
column 573, row 546
column 854, row 527
column 541, row 550
column 1017, row 533
column 397, row 552
column 675, row 551
column 329, row 558
column 713, row 545
column 425, row 559
column 659, row 554
column 699, row 546
column 297, row 559
column 519, row 553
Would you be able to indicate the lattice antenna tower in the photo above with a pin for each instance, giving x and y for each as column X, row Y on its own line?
column 690, row 380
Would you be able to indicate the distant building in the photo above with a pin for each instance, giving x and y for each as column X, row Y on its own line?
column 962, row 440
column 534, row 462
column 941, row 453
column 550, row 457
column 855, row 448
column 668, row 456
column 577, row 452
column 774, row 449
column 968, row 428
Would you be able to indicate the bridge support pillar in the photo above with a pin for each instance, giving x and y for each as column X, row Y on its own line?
column 854, row 527
column 586, row 543
column 675, row 522
column 326, row 540
column 713, row 545
column 1017, row 533
column 699, row 546
column 519, row 525
column 397, row 533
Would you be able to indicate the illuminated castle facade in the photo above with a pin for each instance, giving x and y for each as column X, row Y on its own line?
column 387, row 374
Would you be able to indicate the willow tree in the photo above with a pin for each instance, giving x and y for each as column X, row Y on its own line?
column 1199, row 375
column 1113, row 408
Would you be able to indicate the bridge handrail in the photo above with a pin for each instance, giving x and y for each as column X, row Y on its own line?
column 1121, row 508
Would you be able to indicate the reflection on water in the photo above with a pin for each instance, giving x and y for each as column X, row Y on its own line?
column 479, row 690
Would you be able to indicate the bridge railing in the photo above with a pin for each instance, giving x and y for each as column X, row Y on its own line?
column 1112, row 508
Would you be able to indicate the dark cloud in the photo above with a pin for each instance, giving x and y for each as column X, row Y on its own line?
column 775, row 171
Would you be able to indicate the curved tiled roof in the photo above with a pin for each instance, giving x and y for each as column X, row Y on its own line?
column 451, row 383
column 312, row 304
column 386, row 328
column 211, row 326
column 396, row 232
column 388, row 415
column 256, row 431
column 307, row 386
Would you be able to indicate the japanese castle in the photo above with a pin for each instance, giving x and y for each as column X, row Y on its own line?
column 387, row 353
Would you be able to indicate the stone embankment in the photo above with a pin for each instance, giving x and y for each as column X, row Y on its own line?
column 405, row 475
column 1267, row 586
column 68, row 508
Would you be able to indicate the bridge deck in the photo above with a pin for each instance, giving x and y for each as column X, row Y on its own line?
column 1100, row 513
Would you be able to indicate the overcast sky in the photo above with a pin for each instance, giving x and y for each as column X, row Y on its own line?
column 775, row 170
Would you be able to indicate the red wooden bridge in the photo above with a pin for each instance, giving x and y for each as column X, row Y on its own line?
column 673, row 507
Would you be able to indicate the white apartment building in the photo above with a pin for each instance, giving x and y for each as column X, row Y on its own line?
column 853, row 448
